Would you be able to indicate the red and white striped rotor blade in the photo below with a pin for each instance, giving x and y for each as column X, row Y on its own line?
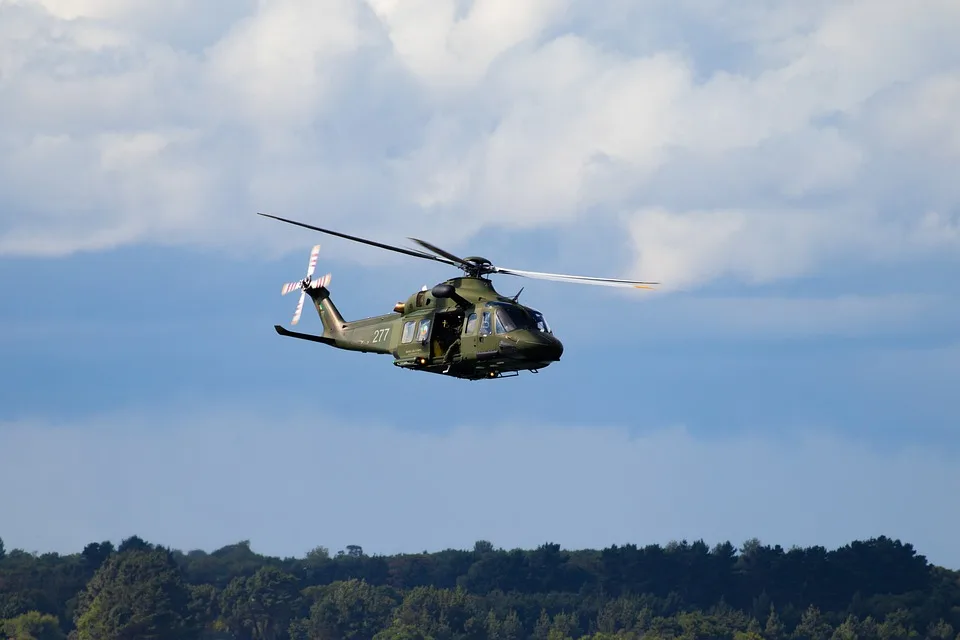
column 320, row 282
column 296, row 314
column 289, row 288
column 313, row 260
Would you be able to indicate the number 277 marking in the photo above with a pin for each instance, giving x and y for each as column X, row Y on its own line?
column 380, row 335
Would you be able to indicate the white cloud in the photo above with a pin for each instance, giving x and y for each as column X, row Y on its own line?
column 735, row 140
column 691, row 247
column 277, row 69
column 101, row 9
column 697, row 246
column 447, row 51
column 288, row 482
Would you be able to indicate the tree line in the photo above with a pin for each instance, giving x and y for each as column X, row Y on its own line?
column 878, row 588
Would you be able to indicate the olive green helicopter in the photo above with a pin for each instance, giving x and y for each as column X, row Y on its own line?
column 462, row 327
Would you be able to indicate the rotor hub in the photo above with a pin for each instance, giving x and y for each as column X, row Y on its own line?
column 479, row 266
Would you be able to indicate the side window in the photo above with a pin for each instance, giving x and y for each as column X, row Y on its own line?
column 471, row 324
column 424, row 330
column 408, row 331
column 485, row 329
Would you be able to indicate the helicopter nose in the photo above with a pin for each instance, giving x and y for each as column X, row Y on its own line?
column 557, row 347
column 543, row 347
column 553, row 351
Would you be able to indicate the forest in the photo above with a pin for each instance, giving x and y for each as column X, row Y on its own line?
column 877, row 588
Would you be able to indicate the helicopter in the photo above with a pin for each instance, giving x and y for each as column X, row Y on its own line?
column 462, row 327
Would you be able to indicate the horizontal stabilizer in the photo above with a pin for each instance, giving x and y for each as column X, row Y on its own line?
column 305, row 336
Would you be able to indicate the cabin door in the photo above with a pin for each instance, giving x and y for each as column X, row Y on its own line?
column 446, row 330
column 415, row 335
column 478, row 338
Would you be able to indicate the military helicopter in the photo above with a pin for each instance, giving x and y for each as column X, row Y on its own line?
column 462, row 327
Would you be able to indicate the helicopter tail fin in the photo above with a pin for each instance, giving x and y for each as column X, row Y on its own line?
column 333, row 323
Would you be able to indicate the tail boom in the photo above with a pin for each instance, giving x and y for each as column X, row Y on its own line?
column 371, row 335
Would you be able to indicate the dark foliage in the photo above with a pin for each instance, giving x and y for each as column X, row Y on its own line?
column 879, row 588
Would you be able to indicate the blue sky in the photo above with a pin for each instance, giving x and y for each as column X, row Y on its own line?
column 787, row 171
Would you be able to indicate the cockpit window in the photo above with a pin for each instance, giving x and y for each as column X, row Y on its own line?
column 510, row 317
column 504, row 322
column 540, row 321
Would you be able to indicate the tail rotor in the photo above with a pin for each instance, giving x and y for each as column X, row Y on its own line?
column 306, row 283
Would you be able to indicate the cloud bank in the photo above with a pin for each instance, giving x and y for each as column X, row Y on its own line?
column 289, row 480
column 722, row 140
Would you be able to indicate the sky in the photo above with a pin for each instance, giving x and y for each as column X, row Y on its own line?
column 787, row 171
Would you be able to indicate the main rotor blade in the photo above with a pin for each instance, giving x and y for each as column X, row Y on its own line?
column 442, row 252
column 560, row 277
column 380, row 245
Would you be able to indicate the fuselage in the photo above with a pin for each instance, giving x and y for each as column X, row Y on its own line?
column 462, row 327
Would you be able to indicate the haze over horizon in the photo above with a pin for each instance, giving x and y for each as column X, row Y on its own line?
column 787, row 171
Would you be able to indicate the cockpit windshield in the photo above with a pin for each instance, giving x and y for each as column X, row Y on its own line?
column 540, row 321
column 511, row 318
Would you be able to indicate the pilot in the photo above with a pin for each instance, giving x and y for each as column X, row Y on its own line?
column 485, row 325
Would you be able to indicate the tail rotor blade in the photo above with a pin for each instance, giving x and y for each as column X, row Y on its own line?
column 296, row 314
column 320, row 282
column 289, row 288
column 313, row 260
